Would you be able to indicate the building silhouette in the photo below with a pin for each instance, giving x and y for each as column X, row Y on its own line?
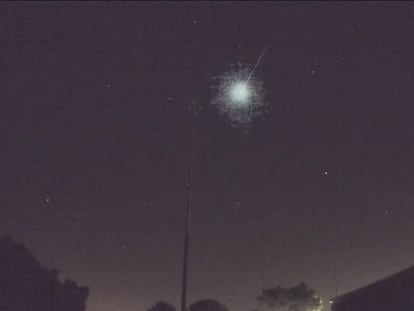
column 394, row 293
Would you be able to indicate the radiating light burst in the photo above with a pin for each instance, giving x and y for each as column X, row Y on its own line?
column 240, row 92
column 239, row 96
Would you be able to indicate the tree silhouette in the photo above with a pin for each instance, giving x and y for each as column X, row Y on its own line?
column 297, row 298
column 207, row 305
column 28, row 286
column 162, row 306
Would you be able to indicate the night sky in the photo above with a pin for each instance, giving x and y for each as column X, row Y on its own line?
column 95, row 142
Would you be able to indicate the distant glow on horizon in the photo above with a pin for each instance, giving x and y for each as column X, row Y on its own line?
column 239, row 96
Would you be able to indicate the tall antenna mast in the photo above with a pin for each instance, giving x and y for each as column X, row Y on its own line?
column 188, row 209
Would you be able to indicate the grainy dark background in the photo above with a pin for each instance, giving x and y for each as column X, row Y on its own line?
column 95, row 142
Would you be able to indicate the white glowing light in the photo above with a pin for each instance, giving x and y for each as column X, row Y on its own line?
column 239, row 96
column 240, row 92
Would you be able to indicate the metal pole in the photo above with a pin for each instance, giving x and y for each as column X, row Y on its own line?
column 187, row 210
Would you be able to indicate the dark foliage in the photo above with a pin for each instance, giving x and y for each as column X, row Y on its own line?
column 297, row 298
column 25, row 285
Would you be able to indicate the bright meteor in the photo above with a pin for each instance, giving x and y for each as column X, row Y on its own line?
column 238, row 98
column 239, row 95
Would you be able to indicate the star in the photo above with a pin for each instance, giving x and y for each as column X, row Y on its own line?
column 237, row 206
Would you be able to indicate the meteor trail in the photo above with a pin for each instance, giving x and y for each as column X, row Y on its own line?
column 260, row 58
